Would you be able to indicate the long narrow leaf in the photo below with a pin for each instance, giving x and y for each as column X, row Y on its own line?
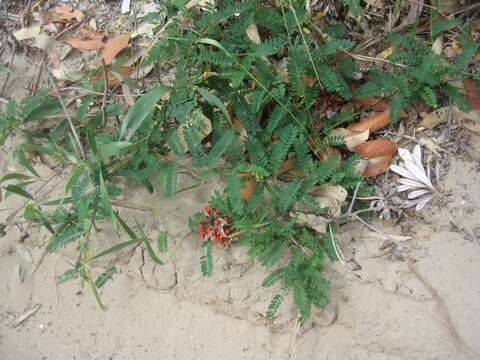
column 140, row 111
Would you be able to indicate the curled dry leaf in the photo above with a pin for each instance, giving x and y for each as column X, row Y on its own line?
column 352, row 138
column 80, row 44
column 65, row 13
column 372, row 123
column 114, row 46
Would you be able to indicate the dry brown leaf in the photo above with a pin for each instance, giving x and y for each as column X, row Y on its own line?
column 372, row 123
column 65, row 13
column 290, row 169
column 376, row 148
column 115, row 78
column 377, row 166
column 127, row 95
column 352, row 138
column 472, row 92
column 252, row 33
column 91, row 33
column 114, row 46
column 248, row 186
column 440, row 116
column 375, row 103
column 80, row 44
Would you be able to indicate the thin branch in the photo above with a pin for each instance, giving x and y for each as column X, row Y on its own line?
column 81, row 152
column 105, row 90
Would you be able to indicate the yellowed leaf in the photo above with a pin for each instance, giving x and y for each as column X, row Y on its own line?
column 437, row 45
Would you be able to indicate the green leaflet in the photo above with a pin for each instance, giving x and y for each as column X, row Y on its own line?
column 105, row 277
column 139, row 112
column 220, row 147
column 162, row 242
column 112, row 149
column 206, row 261
column 214, row 101
column 25, row 161
column 274, row 305
column 65, row 237
column 16, row 189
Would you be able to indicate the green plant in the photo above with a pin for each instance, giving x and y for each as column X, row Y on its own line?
column 254, row 87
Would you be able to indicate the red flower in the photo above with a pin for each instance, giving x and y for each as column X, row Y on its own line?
column 215, row 226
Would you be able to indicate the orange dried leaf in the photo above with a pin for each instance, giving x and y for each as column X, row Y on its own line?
column 472, row 92
column 248, row 187
column 375, row 103
column 376, row 148
column 65, row 13
column 80, row 44
column 377, row 166
column 91, row 34
column 372, row 123
column 114, row 46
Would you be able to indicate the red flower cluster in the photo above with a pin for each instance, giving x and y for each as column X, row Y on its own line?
column 215, row 226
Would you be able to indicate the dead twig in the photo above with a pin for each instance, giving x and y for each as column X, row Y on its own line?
column 105, row 91
column 81, row 152
column 26, row 315
column 12, row 58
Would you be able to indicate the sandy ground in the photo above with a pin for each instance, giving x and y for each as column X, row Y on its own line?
column 417, row 299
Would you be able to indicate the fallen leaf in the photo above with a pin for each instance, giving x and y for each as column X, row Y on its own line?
column 352, row 138
column 437, row 45
column 80, row 44
column 206, row 125
column 471, row 125
column 91, row 34
column 114, row 46
column 376, row 148
column 375, row 103
column 27, row 33
column 115, row 78
column 440, row 116
column 377, row 166
column 330, row 197
column 248, row 186
column 65, row 13
column 127, row 95
column 316, row 222
column 472, row 92
column 372, row 123
column 252, row 33
column 144, row 29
